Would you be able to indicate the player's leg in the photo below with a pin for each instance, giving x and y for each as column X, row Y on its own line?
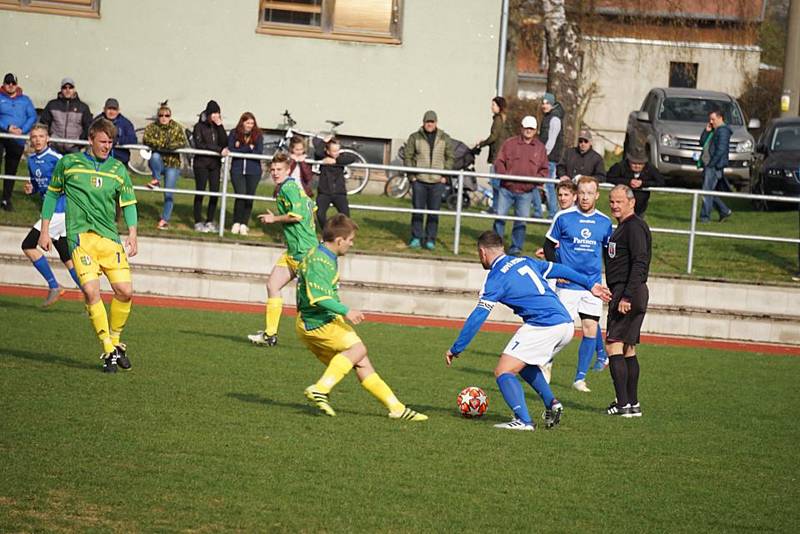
column 114, row 263
column 282, row 273
column 505, row 373
column 62, row 247
column 538, row 346
column 373, row 383
column 585, row 350
column 602, row 356
column 40, row 263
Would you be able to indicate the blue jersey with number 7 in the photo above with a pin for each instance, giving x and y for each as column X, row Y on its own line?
column 519, row 283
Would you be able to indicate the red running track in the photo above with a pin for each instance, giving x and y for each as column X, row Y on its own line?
column 406, row 320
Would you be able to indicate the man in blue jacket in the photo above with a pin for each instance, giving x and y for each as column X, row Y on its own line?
column 714, row 158
column 126, row 134
column 17, row 116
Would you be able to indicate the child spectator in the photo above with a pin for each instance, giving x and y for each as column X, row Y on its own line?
column 332, row 188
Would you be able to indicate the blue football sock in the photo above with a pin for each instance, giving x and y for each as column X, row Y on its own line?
column 47, row 273
column 533, row 375
column 514, row 396
column 585, row 353
column 601, row 347
column 74, row 276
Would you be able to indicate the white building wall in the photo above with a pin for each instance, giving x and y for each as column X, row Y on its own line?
column 189, row 51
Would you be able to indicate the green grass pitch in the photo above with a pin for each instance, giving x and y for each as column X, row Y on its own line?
column 208, row 433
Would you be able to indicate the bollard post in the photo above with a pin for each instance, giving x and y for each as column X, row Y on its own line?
column 459, row 192
column 226, row 174
column 692, row 229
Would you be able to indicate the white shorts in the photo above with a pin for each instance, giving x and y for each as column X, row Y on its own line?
column 536, row 345
column 58, row 225
column 580, row 301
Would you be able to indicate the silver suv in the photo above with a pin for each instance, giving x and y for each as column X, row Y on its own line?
column 668, row 125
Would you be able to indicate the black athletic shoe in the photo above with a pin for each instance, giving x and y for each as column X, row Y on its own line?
column 615, row 409
column 109, row 362
column 636, row 410
column 122, row 359
column 6, row 205
column 552, row 417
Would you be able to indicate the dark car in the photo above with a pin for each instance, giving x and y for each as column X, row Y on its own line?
column 777, row 166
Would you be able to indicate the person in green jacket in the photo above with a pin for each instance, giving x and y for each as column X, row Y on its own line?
column 429, row 148
column 165, row 135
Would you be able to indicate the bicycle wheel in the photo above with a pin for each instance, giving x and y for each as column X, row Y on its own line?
column 397, row 186
column 137, row 163
column 355, row 179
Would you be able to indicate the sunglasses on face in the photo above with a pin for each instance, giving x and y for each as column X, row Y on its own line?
column 167, row 115
column 584, row 141
column 68, row 87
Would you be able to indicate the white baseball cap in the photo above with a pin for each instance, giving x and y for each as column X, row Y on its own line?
column 529, row 122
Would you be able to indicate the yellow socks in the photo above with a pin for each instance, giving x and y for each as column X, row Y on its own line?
column 378, row 388
column 118, row 317
column 338, row 367
column 97, row 314
column 273, row 315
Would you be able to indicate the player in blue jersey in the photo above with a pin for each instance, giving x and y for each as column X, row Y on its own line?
column 581, row 234
column 40, row 168
column 519, row 283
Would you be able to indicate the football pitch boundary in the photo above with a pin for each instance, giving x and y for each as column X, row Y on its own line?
column 159, row 301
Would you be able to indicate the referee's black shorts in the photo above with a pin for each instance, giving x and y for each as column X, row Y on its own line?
column 625, row 328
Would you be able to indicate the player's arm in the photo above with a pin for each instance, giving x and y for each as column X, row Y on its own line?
column 127, row 201
column 287, row 218
column 557, row 270
column 54, row 190
column 490, row 295
column 321, row 291
column 640, row 261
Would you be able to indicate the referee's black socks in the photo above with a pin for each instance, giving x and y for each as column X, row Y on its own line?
column 633, row 379
column 619, row 374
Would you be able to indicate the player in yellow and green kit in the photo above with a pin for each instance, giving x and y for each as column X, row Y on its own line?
column 296, row 213
column 94, row 183
column 321, row 324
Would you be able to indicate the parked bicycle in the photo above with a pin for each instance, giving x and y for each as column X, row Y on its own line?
column 355, row 178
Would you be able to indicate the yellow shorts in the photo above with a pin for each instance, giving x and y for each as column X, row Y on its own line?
column 95, row 255
column 329, row 340
column 287, row 261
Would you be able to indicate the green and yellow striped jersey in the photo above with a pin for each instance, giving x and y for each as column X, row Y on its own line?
column 93, row 189
column 318, row 282
column 301, row 236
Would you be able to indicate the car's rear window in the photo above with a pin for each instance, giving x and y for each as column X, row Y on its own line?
column 786, row 138
column 683, row 109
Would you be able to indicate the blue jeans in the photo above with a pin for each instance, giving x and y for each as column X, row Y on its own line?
column 495, row 183
column 522, row 208
column 711, row 178
column 170, row 175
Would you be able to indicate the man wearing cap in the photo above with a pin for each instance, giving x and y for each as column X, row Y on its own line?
column 126, row 134
column 428, row 148
column 552, row 135
column 638, row 174
column 582, row 160
column 17, row 116
column 521, row 155
column 67, row 117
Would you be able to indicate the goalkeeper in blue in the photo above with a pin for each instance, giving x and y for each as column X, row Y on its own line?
column 519, row 283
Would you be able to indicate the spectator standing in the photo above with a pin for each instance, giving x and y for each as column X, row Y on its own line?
column 17, row 116
column 332, row 188
column 627, row 263
column 299, row 169
column 582, row 160
column 126, row 134
column 208, row 134
column 429, row 148
column 521, row 155
column 67, row 116
column 246, row 138
column 164, row 136
column 497, row 136
column 638, row 174
column 552, row 135
column 715, row 141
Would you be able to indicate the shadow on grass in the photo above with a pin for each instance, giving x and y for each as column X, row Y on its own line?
column 227, row 337
column 765, row 254
column 400, row 230
column 296, row 406
column 51, row 359
column 30, row 305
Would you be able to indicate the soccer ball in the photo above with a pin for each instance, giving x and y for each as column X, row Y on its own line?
column 472, row 402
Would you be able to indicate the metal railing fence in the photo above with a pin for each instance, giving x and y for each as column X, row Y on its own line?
column 459, row 214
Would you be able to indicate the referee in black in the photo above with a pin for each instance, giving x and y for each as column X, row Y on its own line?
column 627, row 262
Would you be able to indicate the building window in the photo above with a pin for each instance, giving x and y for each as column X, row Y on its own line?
column 683, row 75
column 375, row 21
column 79, row 8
